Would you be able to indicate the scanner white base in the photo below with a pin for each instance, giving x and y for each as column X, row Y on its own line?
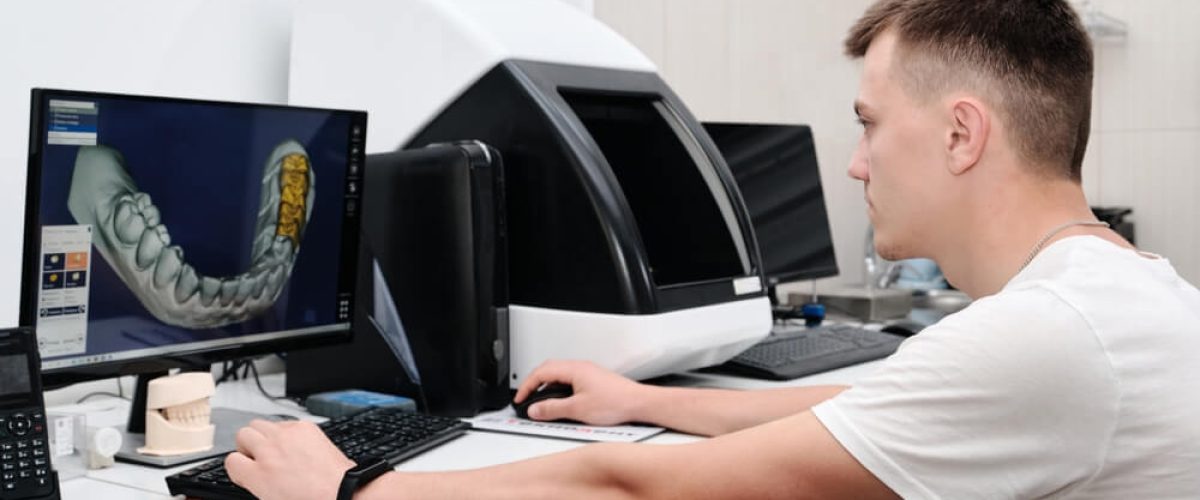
column 637, row 346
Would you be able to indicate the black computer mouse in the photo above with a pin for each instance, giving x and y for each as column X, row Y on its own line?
column 548, row 391
column 903, row 328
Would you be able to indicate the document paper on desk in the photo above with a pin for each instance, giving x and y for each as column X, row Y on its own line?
column 506, row 420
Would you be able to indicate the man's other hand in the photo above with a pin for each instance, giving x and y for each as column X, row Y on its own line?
column 286, row 460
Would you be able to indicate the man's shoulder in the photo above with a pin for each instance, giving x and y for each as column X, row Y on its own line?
column 1018, row 311
column 1014, row 339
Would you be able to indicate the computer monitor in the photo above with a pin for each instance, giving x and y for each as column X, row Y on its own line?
column 775, row 167
column 165, row 233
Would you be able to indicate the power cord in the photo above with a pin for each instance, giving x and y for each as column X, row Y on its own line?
column 254, row 370
column 120, row 394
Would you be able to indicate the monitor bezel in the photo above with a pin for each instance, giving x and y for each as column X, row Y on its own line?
column 184, row 358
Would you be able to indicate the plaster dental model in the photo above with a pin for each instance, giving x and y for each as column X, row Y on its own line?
column 177, row 415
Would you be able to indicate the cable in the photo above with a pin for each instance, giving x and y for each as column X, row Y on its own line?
column 254, row 369
column 99, row 393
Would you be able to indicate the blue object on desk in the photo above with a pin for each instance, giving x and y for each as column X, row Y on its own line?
column 335, row 404
column 813, row 314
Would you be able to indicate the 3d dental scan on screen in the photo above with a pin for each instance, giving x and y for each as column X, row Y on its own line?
column 172, row 233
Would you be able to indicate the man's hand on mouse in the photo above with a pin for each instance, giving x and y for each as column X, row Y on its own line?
column 601, row 396
column 286, row 460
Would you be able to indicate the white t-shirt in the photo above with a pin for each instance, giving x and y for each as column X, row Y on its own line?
column 1080, row 379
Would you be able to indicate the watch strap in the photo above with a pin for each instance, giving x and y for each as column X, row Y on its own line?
column 364, row 472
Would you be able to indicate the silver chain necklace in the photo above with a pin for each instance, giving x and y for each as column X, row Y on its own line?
column 1038, row 247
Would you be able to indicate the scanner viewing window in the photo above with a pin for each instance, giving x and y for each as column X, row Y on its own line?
column 682, row 211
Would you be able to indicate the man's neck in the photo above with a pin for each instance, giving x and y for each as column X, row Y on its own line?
column 990, row 243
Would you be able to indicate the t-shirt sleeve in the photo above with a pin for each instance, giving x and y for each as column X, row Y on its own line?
column 1012, row 397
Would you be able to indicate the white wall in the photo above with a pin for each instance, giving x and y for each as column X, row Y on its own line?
column 219, row 49
column 1145, row 147
column 781, row 61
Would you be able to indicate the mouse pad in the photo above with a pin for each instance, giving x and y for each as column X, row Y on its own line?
column 506, row 420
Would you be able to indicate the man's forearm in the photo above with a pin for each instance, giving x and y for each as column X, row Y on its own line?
column 790, row 457
column 593, row 471
column 712, row 412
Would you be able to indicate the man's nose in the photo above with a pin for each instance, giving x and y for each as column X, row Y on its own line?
column 860, row 168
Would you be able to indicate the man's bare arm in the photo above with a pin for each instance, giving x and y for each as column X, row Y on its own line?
column 605, row 398
column 794, row 457
column 713, row 412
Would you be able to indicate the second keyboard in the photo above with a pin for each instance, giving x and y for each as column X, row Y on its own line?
column 812, row 350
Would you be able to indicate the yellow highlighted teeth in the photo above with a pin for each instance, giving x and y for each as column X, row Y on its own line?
column 293, row 180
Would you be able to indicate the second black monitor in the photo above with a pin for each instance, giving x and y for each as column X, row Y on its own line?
column 776, row 170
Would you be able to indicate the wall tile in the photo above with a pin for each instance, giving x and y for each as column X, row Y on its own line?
column 642, row 22
column 697, row 55
column 1151, row 80
column 1155, row 173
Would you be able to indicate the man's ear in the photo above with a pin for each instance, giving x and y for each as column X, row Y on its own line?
column 970, row 128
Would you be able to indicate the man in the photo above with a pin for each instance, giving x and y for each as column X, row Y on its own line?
column 1071, row 375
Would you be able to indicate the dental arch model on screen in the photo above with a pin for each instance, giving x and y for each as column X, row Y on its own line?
column 130, row 234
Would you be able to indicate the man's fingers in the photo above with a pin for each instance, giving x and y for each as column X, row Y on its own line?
column 553, row 409
column 548, row 372
column 249, row 441
column 267, row 429
column 242, row 470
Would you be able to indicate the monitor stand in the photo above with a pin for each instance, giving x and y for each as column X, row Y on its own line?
column 226, row 420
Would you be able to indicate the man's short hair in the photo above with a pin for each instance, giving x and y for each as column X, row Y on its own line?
column 1031, row 58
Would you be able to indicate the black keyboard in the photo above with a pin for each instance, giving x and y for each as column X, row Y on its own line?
column 793, row 354
column 386, row 433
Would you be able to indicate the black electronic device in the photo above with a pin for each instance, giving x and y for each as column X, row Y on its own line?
column 626, row 230
column 811, row 350
column 262, row 206
column 549, row 391
column 431, row 321
column 903, row 327
column 387, row 434
column 775, row 167
column 25, row 469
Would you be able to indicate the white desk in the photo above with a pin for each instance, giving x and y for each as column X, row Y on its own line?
column 475, row 449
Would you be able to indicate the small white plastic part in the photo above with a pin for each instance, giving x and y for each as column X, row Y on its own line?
column 102, row 444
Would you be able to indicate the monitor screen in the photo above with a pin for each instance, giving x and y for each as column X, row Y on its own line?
column 776, row 170
column 160, row 227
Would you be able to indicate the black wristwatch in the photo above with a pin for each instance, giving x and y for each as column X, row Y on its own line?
column 366, row 471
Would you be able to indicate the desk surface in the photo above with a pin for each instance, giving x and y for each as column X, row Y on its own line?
column 475, row 449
